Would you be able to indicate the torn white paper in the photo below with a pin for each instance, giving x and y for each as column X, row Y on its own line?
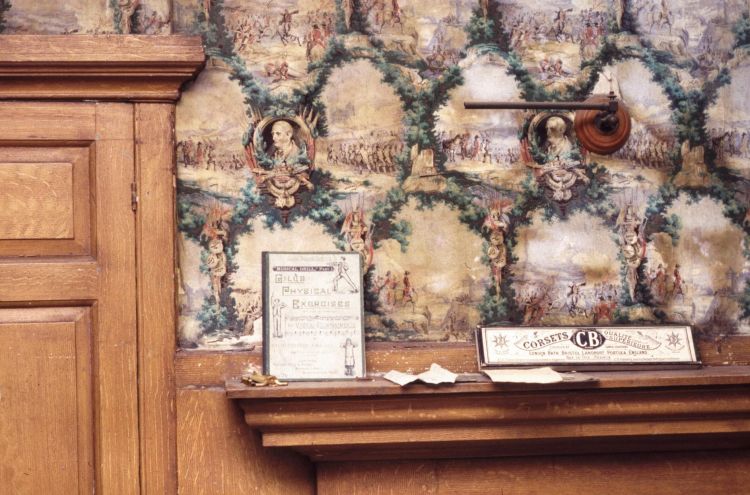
column 437, row 375
column 434, row 376
column 400, row 378
column 533, row 375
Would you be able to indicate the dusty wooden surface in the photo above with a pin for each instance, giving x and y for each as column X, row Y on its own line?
column 378, row 386
column 219, row 454
column 694, row 473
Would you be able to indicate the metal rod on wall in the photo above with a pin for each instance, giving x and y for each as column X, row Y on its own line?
column 602, row 125
column 540, row 105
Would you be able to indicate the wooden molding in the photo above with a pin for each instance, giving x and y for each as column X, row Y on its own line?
column 101, row 67
column 620, row 412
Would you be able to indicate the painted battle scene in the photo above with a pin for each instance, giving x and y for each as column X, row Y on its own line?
column 323, row 125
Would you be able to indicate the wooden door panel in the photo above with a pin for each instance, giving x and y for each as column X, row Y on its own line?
column 67, row 289
column 47, row 400
column 47, row 194
column 29, row 191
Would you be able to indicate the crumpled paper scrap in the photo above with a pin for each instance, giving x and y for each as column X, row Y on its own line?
column 433, row 376
column 533, row 375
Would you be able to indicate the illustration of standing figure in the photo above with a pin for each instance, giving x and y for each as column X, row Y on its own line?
column 217, row 266
column 391, row 284
column 349, row 357
column 277, row 310
column 678, row 290
column 342, row 273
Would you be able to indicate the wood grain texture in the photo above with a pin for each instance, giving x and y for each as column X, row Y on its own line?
column 47, row 443
column 103, row 67
column 695, row 473
column 56, row 205
column 352, row 478
column 480, row 384
column 139, row 89
column 37, row 201
column 218, row 454
column 99, row 51
column 48, row 279
column 377, row 420
column 117, row 391
column 209, row 368
column 154, row 132
column 47, row 122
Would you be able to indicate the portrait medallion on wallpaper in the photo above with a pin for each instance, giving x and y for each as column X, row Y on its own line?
column 338, row 125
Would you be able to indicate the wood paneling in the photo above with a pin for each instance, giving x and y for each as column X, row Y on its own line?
column 47, row 190
column 407, row 478
column 218, row 454
column 39, row 199
column 46, row 432
column 116, row 338
column 694, row 473
column 48, row 279
column 48, row 122
column 154, row 125
column 211, row 369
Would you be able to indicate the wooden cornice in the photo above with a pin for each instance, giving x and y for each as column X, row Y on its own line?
column 97, row 67
column 620, row 412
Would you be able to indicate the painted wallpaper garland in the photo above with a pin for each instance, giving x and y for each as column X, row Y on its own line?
column 339, row 124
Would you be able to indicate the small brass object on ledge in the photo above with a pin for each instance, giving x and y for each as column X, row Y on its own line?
column 261, row 380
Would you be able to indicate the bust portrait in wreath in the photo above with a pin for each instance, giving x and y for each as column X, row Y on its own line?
column 283, row 148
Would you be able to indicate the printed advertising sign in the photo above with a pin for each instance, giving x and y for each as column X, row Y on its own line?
column 587, row 347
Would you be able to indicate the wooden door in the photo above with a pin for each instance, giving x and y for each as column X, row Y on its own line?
column 68, row 377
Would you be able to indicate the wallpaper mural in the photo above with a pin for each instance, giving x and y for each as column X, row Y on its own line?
column 339, row 125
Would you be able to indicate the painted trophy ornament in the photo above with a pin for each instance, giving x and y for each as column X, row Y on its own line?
column 281, row 155
column 552, row 136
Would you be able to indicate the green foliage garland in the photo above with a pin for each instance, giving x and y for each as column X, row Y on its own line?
column 4, row 7
column 421, row 103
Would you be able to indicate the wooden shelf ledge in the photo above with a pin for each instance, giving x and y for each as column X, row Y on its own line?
column 618, row 412
column 98, row 67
